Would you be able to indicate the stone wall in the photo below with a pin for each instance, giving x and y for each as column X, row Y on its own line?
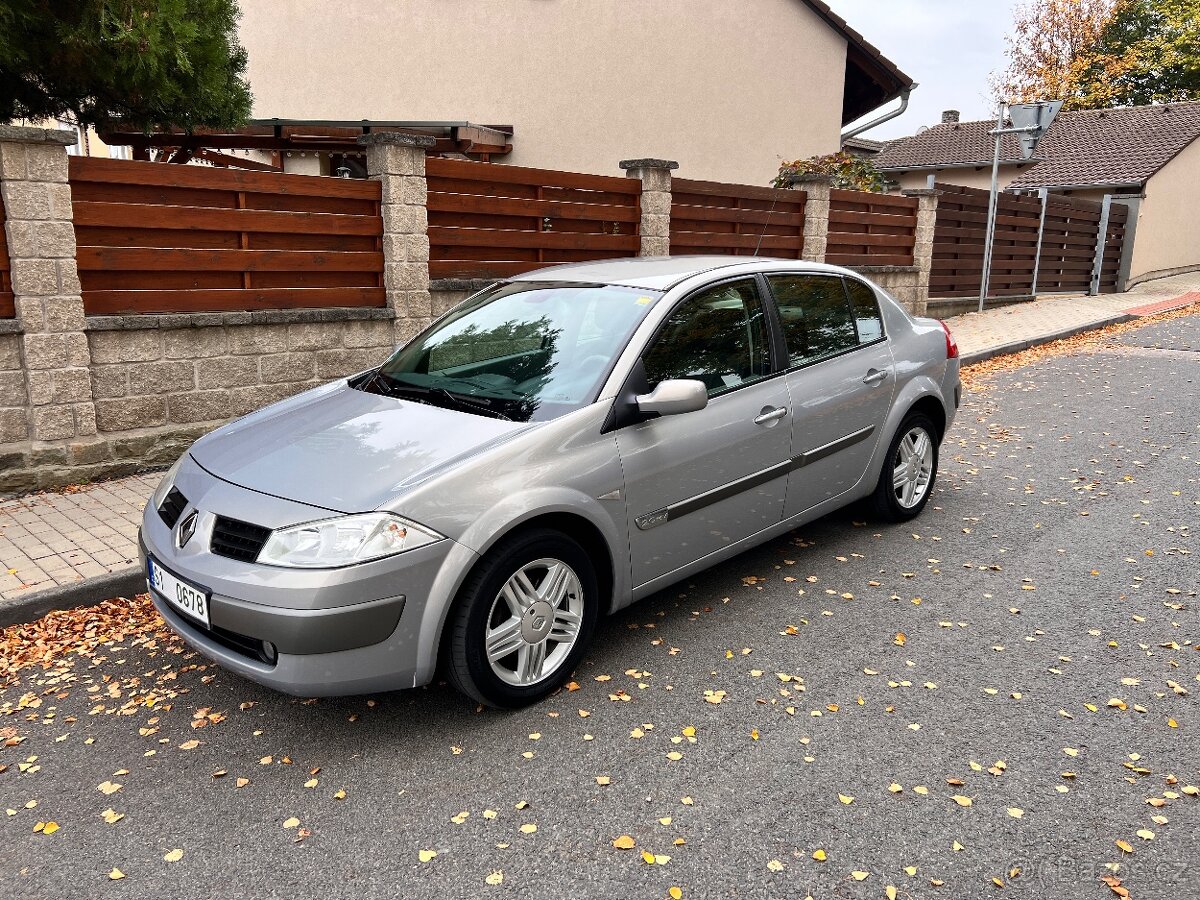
column 14, row 398
column 159, row 382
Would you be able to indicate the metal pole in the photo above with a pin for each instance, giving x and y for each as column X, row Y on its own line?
column 992, row 204
column 1044, row 193
column 1101, row 244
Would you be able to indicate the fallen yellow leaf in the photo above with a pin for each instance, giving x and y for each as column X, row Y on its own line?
column 173, row 856
column 426, row 855
column 116, row 874
column 291, row 823
column 624, row 842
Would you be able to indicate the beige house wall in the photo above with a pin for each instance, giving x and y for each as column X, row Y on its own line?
column 973, row 177
column 1166, row 236
column 583, row 82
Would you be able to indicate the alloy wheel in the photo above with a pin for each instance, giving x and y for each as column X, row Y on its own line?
column 534, row 622
column 912, row 468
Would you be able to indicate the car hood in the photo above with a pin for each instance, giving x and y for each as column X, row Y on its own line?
column 346, row 450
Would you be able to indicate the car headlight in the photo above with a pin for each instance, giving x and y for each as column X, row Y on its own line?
column 343, row 541
column 168, row 482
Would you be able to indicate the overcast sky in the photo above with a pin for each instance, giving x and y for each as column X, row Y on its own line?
column 947, row 46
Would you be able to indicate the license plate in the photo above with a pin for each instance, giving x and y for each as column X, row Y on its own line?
column 186, row 598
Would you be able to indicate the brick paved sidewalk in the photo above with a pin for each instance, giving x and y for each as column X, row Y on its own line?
column 49, row 540
column 55, row 540
column 981, row 333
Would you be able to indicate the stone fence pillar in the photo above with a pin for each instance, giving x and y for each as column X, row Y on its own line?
column 655, row 227
column 923, row 248
column 398, row 162
column 45, row 281
column 816, row 213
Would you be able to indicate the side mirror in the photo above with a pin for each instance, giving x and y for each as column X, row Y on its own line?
column 674, row 396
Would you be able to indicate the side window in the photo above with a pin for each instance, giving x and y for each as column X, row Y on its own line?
column 815, row 316
column 718, row 336
column 866, row 311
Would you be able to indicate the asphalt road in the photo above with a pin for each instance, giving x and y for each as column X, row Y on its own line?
column 1046, row 601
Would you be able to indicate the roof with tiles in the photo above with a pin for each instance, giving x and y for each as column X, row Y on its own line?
column 1123, row 146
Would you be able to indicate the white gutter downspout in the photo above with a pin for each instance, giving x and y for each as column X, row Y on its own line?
column 886, row 117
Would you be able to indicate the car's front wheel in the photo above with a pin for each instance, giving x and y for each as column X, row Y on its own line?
column 909, row 472
column 522, row 619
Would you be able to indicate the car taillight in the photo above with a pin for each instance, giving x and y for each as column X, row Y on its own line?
column 951, row 344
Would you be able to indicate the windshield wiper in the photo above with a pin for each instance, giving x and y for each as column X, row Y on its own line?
column 393, row 388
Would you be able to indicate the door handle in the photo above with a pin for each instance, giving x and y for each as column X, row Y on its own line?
column 874, row 376
column 768, row 415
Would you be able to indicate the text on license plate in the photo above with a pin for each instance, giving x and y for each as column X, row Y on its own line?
column 183, row 596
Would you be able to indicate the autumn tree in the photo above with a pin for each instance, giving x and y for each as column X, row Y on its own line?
column 144, row 63
column 1148, row 52
column 1047, row 40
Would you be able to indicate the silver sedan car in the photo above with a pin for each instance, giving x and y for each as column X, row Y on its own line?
column 553, row 449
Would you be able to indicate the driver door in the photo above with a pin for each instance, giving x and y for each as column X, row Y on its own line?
column 698, row 482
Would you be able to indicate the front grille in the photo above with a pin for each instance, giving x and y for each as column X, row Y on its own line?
column 238, row 540
column 172, row 507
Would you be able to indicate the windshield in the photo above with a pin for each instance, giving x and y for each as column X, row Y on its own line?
column 527, row 351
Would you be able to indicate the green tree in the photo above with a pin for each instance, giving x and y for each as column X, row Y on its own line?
column 850, row 172
column 1149, row 52
column 143, row 63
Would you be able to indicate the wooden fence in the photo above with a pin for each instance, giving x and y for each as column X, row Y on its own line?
column 7, row 306
column 739, row 219
column 1068, row 244
column 156, row 238
column 871, row 229
column 490, row 221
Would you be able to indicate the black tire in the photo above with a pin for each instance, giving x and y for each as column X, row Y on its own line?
column 479, row 602
column 885, row 502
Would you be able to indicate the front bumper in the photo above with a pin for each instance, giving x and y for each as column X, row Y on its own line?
column 320, row 632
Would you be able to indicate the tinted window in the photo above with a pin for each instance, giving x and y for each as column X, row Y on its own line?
column 866, row 311
column 815, row 315
column 718, row 336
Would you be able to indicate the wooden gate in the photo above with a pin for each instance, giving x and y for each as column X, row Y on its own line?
column 1068, row 233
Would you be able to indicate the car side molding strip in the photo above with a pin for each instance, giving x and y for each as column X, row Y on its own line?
column 694, row 504
column 811, row 456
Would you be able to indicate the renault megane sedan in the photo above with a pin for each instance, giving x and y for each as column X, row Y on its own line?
column 553, row 449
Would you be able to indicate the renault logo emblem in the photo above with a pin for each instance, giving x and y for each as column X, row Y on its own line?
column 186, row 529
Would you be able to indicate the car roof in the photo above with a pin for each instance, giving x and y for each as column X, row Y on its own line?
column 661, row 273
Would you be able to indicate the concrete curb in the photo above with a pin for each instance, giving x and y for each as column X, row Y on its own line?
column 123, row 582
column 968, row 359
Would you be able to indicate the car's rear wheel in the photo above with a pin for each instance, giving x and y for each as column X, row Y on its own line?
column 909, row 471
column 523, row 619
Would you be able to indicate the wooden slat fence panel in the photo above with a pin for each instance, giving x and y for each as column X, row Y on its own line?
column 1118, row 220
column 7, row 306
column 155, row 237
column 493, row 221
column 739, row 219
column 868, row 229
column 1068, row 244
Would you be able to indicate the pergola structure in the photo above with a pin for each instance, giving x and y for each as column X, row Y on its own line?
column 339, row 138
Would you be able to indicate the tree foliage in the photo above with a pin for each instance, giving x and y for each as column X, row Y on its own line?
column 848, row 171
column 1047, row 40
column 143, row 63
column 1149, row 52
column 1094, row 54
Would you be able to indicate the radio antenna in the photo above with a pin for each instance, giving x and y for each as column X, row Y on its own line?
column 763, row 234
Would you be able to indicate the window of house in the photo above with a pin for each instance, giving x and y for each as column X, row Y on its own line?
column 718, row 336
column 816, row 316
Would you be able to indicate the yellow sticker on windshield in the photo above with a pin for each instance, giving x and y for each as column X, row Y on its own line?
column 642, row 301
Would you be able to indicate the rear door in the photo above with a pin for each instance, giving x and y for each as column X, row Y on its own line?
column 700, row 481
column 841, row 379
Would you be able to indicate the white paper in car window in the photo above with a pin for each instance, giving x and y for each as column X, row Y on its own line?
column 732, row 379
